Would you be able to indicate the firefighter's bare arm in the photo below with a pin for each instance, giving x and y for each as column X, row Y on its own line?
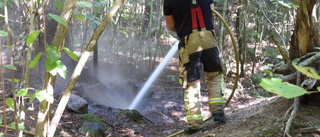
column 212, row 8
column 170, row 22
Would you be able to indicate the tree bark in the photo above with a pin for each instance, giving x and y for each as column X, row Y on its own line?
column 32, row 10
column 305, row 36
column 10, row 44
column 303, row 40
column 241, row 34
column 84, row 58
column 221, row 35
column 58, row 42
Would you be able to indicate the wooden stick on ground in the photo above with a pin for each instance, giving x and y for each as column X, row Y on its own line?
column 282, row 50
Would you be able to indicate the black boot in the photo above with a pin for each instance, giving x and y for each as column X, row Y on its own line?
column 192, row 131
column 219, row 117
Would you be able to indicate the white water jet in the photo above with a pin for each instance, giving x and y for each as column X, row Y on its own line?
column 154, row 76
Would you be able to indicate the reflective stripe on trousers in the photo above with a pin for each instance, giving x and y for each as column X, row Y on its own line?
column 194, row 117
column 200, row 48
column 216, row 100
column 192, row 102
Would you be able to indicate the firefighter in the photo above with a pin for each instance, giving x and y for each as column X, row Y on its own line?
column 192, row 20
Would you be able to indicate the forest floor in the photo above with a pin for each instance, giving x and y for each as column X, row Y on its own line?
column 247, row 116
column 252, row 112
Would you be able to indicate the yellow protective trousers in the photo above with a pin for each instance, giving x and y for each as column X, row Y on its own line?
column 200, row 48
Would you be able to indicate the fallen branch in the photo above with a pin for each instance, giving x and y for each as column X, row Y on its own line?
column 309, row 129
column 292, row 116
column 309, row 83
column 289, row 77
column 294, row 109
column 306, row 56
column 283, row 52
column 310, row 60
column 283, row 69
column 11, row 128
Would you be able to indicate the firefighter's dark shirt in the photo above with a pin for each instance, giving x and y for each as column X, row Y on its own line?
column 181, row 11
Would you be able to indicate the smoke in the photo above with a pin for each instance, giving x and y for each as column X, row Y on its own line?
column 110, row 88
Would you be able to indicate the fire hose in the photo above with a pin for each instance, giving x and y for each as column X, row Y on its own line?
column 237, row 66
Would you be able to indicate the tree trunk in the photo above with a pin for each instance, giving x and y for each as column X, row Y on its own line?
column 58, row 42
column 11, row 46
column 241, row 33
column 84, row 58
column 32, row 9
column 305, row 36
column 221, row 35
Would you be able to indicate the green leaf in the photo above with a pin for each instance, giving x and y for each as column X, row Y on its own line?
column 10, row 103
column 18, row 62
column 22, row 92
column 58, row 6
column 20, row 126
column 35, row 61
column 93, row 25
column 310, row 72
column 32, row 37
column 52, row 53
column 40, row 95
column 10, row 67
column 62, row 69
column 56, row 67
column 58, row 19
column 3, row 33
column 1, row 118
column 32, row 98
column 71, row 54
column 278, row 87
column 318, row 88
column 285, row 4
column 1, row 134
column 81, row 17
column 84, row 4
column 15, row 80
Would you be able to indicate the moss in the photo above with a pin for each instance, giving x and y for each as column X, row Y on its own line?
column 90, row 118
column 134, row 115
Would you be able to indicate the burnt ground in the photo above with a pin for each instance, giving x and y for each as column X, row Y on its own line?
column 247, row 116
column 251, row 113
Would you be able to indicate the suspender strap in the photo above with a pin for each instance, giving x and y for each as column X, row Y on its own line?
column 196, row 15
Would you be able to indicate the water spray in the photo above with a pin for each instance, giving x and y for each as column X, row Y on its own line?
column 154, row 76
